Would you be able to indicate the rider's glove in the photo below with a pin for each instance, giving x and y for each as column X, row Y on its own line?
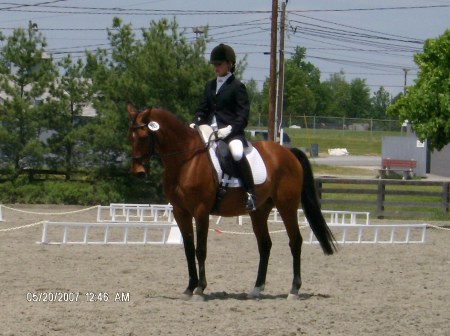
column 192, row 125
column 224, row 132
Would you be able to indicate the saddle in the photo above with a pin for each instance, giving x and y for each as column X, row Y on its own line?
column 223, row 163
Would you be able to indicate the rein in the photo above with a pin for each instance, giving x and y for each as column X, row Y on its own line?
column 194, row 150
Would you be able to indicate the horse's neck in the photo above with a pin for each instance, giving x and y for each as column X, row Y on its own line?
column 183, row 154
column 177, row 138
column 180, row 141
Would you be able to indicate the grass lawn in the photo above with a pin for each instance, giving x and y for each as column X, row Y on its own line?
column 326, row 170
column 356, row 142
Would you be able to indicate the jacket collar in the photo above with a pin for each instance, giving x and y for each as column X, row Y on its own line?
column 227, row 81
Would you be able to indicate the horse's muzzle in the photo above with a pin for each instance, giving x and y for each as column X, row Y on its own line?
column 140, row 175
column 138, row 170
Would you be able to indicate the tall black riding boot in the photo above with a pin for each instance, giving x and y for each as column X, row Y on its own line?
column 245, row 173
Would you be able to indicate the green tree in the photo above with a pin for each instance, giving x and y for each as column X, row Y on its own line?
column 380, row 102
column 360, row 104
column 300, row 83
column 340, row 95
column 427, row 103
column 343, row 99
column 324, row 100
column 72, row 93
column 159, row 68
column 301, row 86
column 26, row 73
column 256, row 102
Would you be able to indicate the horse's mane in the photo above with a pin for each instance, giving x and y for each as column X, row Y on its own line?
column 164, row 116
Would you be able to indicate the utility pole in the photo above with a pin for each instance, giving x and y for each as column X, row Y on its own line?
column 273, row 71
column 281, row 72
column 406, row 74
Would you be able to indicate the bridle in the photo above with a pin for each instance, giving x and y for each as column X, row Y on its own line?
column 151, row 137
column 153, row 140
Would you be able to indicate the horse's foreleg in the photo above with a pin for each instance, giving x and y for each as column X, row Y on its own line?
column 259, row 224
column 184, row 221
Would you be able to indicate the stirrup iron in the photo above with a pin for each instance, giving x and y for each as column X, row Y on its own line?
column 250, row 202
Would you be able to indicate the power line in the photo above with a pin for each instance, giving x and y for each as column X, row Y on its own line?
column 67, row 29
column 359, row 42
column 252, row 23
column 353, row 37
column 15, row 6
column 335, row 31
column 358, row 63
column 141, row 11
column 353, row 27
column 370, row 9
column 256, row 22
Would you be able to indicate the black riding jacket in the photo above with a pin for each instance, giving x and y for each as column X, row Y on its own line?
column 230, row 106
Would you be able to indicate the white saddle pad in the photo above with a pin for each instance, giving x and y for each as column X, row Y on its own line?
column 254, row 158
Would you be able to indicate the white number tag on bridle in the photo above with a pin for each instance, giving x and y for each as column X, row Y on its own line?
column 153, row 126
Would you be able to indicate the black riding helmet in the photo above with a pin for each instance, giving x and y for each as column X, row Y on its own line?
column 223, row 53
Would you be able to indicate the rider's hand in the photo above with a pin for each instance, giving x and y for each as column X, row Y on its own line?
column 224, row 132
column 192, row 125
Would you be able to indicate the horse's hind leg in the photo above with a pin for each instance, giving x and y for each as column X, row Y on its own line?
column 259, row 222
column 290, row 219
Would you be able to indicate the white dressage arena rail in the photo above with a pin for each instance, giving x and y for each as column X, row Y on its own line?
column 375, row 234
column 126, row 224
column 353, row 227
column 334, row 217
column 110, row 233
column 122, row 223
column 134, row 212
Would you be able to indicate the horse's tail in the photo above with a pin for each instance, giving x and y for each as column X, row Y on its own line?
column 311, row 206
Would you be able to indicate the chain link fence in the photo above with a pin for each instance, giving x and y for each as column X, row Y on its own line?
column 338, row 123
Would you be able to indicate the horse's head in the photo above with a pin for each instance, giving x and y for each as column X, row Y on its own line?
column 141, row 139
column 157, row 131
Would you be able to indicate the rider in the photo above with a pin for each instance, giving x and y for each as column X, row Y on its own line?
column 225, row 106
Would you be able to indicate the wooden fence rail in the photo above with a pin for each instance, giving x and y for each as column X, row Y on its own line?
column 384, row 197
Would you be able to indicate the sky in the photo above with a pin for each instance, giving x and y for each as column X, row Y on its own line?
column 372, row 40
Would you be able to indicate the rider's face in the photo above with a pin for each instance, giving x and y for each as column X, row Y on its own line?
column 221, row 69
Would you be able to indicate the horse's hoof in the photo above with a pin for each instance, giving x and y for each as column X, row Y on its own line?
column 198, row 298
column 255, row 294
column 198, row 291
column 292, row 297
column 251, row 296
column 198, row 295
column 185, row 297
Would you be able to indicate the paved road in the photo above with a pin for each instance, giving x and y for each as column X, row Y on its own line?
column 349, row 161
column 372, row 162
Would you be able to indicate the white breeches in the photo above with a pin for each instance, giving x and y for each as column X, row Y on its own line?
column 236, row 149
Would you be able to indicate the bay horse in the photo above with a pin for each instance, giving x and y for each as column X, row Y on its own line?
column 190, row 184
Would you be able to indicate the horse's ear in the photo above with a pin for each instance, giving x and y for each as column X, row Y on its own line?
column 131, row 110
